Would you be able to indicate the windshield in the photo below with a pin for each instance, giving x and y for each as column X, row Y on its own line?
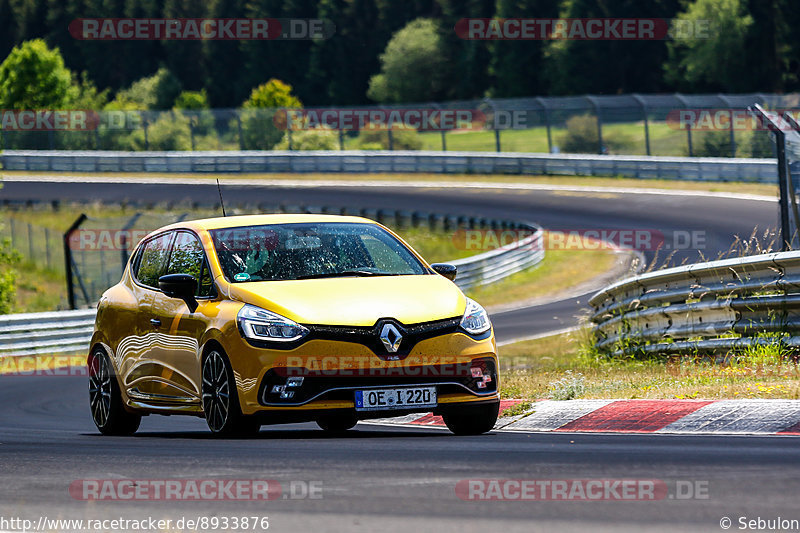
column 311, row 250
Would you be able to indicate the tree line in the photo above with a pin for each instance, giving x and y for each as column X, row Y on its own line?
column 390, row 51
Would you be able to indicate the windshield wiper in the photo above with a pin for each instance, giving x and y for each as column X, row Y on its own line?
column 343, row 273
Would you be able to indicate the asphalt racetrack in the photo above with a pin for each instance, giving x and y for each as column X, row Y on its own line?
column 401, row 479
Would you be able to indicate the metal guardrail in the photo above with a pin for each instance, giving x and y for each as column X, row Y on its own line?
column 497, row 264
column 41, row 333
column 716, row 306
column 71, row 331
column 629, row 166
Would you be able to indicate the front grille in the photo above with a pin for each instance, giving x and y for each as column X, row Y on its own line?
column 369, row 335
column 323, row 385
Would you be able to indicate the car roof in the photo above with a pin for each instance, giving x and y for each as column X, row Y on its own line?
column 260, row 220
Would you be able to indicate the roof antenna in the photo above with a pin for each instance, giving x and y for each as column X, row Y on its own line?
column 221, row 203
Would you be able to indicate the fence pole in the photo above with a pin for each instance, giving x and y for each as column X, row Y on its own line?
column 68, row 259
column 679, row 97
column 730, row 125
column 341, row 140
column 47, row 247
column 124, row 240
column 596, row 107
column 643, row 104
column 441, row 130
column 239, row 126
column 543, row 103
column 146, row 140
column 30, row 243
column 13, row 232
column 490, row 103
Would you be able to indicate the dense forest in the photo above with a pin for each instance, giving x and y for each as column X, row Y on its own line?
column 755, row 47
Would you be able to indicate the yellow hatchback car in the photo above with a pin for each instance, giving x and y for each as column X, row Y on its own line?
column 264, row 319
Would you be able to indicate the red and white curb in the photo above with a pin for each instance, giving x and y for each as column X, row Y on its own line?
column 718, row 417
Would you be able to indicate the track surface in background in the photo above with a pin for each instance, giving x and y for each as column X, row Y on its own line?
column 402, row 479
column 718, row 220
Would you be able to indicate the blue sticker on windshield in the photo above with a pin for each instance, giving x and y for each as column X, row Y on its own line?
column 241, row 276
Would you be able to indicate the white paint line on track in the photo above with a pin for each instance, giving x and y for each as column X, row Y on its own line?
column 310, row 184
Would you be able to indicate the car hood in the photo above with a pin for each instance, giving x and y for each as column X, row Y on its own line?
column 356, row 301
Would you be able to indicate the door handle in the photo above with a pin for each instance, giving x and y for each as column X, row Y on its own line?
column 156, row 323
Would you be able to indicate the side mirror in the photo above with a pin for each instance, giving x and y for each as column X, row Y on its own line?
column 446, row 270
column 181, row 286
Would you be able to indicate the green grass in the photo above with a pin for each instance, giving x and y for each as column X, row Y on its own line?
column 549, row 367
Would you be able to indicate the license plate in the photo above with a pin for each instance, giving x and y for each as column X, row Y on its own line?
column 409, row 397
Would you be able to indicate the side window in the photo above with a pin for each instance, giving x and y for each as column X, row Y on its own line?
column 152, row 259
column 187, row 257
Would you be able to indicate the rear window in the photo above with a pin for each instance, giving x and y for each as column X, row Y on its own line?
column 308, row 250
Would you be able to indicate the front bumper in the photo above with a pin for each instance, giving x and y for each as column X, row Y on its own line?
column 333, row 370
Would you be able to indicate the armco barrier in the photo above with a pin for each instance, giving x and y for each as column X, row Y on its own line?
column 71, row 331
column 712, row 307
column 643, row 167
column 40, row 333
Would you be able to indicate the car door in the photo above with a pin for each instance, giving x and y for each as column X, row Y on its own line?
column 180, row 330
column 141, row 375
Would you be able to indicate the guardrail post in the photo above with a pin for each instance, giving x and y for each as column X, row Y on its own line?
column 68, row 262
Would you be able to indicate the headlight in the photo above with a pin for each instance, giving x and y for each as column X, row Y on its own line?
column 262, row 325
column 476, row 320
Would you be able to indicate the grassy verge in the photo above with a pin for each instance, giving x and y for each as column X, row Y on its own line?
column 741, row 187
column 559, row 367
column 559, row 271
column 39, row 289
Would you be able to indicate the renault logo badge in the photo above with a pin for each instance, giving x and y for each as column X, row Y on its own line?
column 391, row 337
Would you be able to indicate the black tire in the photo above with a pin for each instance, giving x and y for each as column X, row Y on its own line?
column 337, row 423
column 472, row 420
column 105, row 399
column 220, row 399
